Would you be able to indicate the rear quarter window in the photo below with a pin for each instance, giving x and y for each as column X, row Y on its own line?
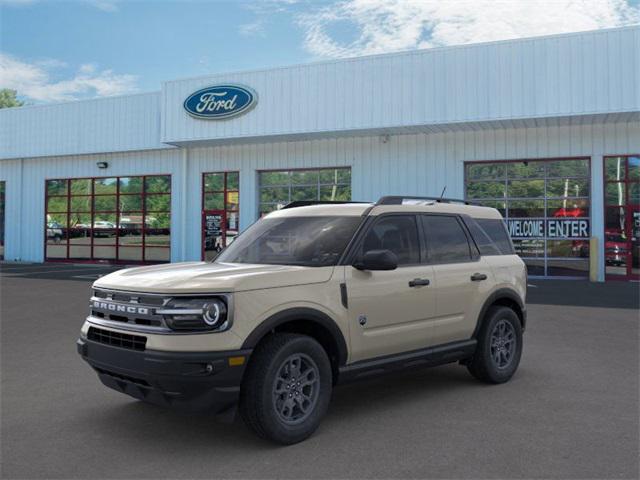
column 491, row 237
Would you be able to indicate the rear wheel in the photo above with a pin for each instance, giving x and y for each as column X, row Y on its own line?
column 499, row 346
column 287, row 388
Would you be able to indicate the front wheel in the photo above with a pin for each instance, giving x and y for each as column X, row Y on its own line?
column 499, row 346
column 287, row 388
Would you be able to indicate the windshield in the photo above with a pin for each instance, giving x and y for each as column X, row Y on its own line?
column 305, row 241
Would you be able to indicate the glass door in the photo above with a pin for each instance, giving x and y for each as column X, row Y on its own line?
column 220, row 212
column 622, row 217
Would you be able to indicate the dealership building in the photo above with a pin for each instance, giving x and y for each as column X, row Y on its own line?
column 545, row 129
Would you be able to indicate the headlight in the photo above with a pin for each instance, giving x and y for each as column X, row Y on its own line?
column 196, row 314
column 215, row 312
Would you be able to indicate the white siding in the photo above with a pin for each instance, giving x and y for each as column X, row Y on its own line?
column 25, row 195
column 593, row 73
column 419, row 164
column 14, row 217
column 416, row 164
column 112, row 124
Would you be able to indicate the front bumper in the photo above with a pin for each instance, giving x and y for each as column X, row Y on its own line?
column 187, row 380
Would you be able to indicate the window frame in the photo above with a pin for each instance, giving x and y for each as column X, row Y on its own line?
column 544, row 260
column 353, row 251
column 225, row 210
column 627, row 208
column 289, row 185
column 467, row 219
column 117, row 213
column 474, row 251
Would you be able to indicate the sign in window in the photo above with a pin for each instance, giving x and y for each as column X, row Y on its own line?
column 546, row 207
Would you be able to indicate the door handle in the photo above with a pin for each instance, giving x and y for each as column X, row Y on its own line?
column 419, row 282
column 478, row 277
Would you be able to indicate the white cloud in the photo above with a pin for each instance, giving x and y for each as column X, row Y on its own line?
column 104, row 5
column 390, row 25
column 252, row 28
column 34, row 80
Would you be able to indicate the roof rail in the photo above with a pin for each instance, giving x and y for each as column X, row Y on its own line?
column 398, row 200
column 306, row 203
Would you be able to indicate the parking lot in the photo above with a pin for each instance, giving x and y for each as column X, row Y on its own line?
column 571, row 411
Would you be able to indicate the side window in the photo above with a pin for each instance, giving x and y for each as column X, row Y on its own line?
column 483, row 241
column 496, row 230
column 397, row 233
column 446, row 240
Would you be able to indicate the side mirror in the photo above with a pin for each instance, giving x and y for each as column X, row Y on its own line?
column 377, row 260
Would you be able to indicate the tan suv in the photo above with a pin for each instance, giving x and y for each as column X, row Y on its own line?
column 308, row 297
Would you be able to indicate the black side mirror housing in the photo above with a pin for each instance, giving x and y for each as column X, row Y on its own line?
column 377, row 260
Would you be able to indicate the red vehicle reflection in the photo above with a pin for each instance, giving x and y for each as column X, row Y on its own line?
column 580, row 247
column 569, row 212
column 615, row 248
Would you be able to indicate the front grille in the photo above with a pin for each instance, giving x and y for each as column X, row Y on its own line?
column 129, row 308
column 130, row 297
column 117, row 339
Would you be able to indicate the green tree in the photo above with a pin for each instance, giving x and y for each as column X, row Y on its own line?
column 8, row 98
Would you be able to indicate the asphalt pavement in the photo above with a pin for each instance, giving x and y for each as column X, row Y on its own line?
column 571, row 411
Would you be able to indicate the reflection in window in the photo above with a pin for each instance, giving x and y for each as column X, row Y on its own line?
column 307, row 241
column 220, row 205
column 540, row 191
column 568, row 208
column 446, row 239
column 615, row 193
column 526, row 208
column 115, row 219
column 397, row 233
column 278, row 188
column 526, row 170
column 615, row 168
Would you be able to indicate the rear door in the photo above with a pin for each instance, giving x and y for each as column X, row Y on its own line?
column 462, row 278
column 390, row 311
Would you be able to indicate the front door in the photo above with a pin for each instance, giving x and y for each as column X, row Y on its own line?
column 220, row 211
column 389, row 311
column 622, row 217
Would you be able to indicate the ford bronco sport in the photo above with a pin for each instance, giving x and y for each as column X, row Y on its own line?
column 310, row 296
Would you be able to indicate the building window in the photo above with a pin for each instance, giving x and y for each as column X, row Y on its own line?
column 546, row 206
column 2, row 188
column 220, row 211
column 116, row 219
column 622, row 217
column 277, row 188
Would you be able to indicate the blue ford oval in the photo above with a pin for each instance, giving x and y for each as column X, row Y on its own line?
column 220, row 101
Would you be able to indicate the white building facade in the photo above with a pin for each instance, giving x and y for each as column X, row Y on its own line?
column 545, row 129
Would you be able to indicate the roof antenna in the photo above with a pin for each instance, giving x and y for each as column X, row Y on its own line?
column 442, row 194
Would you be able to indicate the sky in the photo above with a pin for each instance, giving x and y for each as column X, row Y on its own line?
column 55, row 50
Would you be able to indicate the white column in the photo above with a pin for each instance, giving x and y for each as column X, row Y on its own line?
column 248, row 197
column 184, row 205
column 597, row 210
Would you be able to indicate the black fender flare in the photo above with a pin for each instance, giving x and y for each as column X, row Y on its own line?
column 299, row 313
column 499, row 294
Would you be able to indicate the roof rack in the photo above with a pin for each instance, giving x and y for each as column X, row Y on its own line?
column 398, row 200
column 306, row 203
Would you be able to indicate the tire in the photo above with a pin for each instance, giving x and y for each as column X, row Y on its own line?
column 497, row 364
column 275, row 409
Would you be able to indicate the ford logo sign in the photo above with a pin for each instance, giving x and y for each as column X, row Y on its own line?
column 220, row 101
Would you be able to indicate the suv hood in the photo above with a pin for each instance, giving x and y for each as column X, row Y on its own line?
column 204, row 277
